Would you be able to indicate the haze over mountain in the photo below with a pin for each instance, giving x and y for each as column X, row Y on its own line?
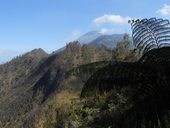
column 95, row 38
column 110, row 41
column 89, row 37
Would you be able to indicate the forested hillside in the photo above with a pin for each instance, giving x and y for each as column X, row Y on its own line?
column 31, row 81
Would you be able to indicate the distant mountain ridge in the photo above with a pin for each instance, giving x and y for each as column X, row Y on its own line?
column 89, row 37
column 95, row 38
column 109, row 41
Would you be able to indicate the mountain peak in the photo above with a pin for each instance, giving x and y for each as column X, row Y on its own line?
column 37, row 52
column 109, row 41
column 92, row 32
column 89, row 37
column 97, row 38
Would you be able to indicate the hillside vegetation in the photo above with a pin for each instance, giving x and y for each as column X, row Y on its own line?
column 69, row 108
column 85, row 86
column 29, row 83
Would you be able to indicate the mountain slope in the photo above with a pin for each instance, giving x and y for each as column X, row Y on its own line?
column 95, row 38
column 109, row 41
column 89, row 37
column 15, row 98
column 13, row 72
column 35, row 80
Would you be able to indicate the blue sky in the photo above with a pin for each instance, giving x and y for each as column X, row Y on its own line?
column 50, row 24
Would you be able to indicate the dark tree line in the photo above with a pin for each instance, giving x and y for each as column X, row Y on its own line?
column 149, row 77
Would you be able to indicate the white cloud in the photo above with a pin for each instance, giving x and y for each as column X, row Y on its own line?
column 165, row 10
column 110, row 18
column 106, row 31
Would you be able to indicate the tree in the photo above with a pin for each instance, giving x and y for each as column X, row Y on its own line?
column 123, row 49
column 150, row 33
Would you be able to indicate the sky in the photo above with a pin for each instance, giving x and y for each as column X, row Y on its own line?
column 50, row 24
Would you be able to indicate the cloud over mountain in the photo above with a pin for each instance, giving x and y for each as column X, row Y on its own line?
column 110, row 18
column 165, row 10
